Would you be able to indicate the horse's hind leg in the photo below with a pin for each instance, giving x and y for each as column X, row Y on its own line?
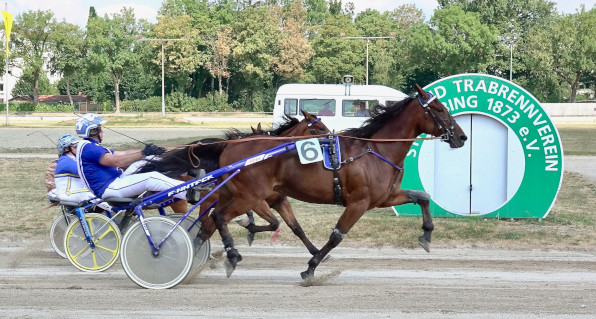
column 264, row 212
column 283, row 207
column 349, row 217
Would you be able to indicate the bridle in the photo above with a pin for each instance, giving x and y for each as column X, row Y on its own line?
column 311, row 124
column 448, row 130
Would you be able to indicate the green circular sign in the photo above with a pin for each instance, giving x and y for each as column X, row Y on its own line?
column 528, row 158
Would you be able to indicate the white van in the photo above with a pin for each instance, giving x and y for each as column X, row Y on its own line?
column 338, row 105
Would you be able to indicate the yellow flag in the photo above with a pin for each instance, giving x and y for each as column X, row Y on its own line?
column 8, row 26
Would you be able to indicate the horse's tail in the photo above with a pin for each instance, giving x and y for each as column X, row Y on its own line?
column 180, row 161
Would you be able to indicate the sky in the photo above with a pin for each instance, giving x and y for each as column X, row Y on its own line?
column 76, row 11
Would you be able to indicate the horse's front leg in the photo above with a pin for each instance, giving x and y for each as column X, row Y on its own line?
column 407, row 196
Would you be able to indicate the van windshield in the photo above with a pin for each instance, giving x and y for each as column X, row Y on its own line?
column 320, row 107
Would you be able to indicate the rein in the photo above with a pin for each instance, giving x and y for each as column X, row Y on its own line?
column 283, row 138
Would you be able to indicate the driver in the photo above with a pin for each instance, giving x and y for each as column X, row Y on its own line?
column 99, row 167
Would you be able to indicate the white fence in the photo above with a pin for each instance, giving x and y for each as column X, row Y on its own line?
column 571, row 112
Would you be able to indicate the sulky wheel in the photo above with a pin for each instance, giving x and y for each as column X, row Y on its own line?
column 105, row 236
column 58, row 230
column 205, row 251
column 169, row 266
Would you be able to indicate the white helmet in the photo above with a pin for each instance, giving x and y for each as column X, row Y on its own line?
column 88, row 122
column 64, row 142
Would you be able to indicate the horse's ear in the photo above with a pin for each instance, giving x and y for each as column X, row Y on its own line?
column 422, row 93
column 306, row 114
column 259, row 127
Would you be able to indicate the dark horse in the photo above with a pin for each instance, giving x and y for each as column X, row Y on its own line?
column 180, row 162
column 369, row 178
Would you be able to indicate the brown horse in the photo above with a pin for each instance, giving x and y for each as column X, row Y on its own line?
column 178, row 161
column 370, row 175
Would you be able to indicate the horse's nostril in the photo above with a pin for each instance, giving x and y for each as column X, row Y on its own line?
column 463, row 138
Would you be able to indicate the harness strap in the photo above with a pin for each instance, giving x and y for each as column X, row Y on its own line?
column 369, row 150
column 335, row 166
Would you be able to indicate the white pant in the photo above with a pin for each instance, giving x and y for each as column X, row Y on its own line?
column 135, row 184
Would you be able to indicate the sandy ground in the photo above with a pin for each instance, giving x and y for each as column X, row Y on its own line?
column 355, row 283
column 463, row 282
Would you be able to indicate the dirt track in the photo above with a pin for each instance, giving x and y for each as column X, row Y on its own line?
column 356, row 283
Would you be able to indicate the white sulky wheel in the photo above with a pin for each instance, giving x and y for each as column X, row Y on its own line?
column 169, row 267
column 106, row 237
column 58, row 230
column 204, row 252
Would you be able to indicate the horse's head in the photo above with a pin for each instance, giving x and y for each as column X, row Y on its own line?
column 440, row 122
column 258, row 130
column 315, row 125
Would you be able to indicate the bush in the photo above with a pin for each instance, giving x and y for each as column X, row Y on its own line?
column 44, row 108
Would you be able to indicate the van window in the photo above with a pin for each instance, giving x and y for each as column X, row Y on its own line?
column 351, row 108
column 291, row 106
column 319, row 107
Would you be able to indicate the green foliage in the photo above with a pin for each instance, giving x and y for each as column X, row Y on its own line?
column 41, row 108
column 24, row 85
column 33, row 36
column 245, row 50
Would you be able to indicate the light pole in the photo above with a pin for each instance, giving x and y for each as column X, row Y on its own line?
column 367, row 41
column 511, row 38
column 163, row 95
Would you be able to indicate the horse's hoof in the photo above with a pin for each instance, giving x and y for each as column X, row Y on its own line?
column 424, row 243
column 197, row 242
column 249, row 238
column 229, row 268
column 328, row 257
column 305, row 275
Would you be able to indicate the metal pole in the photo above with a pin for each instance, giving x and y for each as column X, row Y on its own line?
column 511, row 60
column 367, row 41
column 6, row 72
column 163, row 90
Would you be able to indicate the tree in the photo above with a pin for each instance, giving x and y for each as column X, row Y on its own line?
column 221, row 49
column 111, row 42
column 33, row 39
column 455, row 42
column 566, row 48
column 68, row 53
column 335, row 57
column 182, row 57
column 23, row 85
column 256, row 35
column 294, row 49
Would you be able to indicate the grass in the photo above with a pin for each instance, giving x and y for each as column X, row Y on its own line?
column 570, row 224
column 578, row 140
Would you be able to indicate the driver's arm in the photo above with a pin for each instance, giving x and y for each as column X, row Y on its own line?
column 121, row 158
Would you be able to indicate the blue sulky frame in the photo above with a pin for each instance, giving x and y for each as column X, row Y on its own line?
column 161, row 198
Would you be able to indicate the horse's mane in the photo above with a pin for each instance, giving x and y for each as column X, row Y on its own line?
column 289, row 122
column 375, row 123
column 181, row 160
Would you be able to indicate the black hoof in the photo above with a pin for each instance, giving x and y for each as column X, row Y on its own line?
column 305, row 275
column 197, row 242
column 424, row 243
column 229, row 268
column 249, row 238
